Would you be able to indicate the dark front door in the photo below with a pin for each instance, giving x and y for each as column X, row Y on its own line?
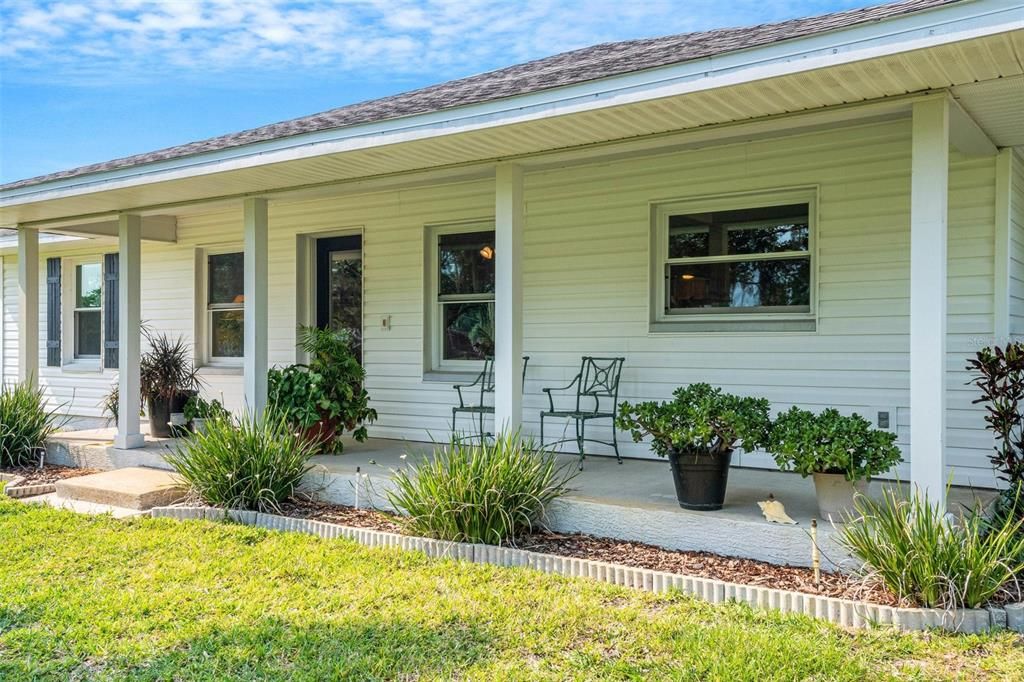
column 339, row 286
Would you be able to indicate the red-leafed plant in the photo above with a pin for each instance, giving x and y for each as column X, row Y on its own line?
column 999, row 374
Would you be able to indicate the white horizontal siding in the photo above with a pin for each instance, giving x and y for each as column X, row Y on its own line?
column 586, row 283
column 1017, row 245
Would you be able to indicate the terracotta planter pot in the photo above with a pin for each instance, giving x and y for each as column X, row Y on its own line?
column 835, row 495
column 323, row 432
column 700, row 479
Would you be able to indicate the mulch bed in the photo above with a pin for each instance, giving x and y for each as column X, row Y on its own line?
column 707, row 565
column 345, row 516
column 49, row 473
column 635, row 554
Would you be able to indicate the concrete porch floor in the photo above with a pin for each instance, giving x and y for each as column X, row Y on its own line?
column 633, row 501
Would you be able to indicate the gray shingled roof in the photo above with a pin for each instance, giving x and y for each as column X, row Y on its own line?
column 568, row 68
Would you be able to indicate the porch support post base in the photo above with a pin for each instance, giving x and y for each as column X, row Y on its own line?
column 508, row 298
column 928, row 301
column 129, row 348
column 28, row 306
column 255, row 228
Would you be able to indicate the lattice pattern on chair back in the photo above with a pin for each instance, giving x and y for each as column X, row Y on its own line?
column 600, row 376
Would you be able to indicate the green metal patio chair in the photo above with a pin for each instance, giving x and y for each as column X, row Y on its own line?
column 598, row 380
column 482, row 385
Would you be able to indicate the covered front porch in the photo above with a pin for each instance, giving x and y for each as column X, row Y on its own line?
column 633, row 501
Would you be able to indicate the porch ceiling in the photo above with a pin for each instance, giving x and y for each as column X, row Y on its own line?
column 986, row 74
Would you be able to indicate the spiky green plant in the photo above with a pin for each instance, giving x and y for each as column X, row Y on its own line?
column 929, row 558
column 489, row 493
column 25, row 423
column 248, row 463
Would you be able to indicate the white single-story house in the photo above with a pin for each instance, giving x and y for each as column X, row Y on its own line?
column 824, row 212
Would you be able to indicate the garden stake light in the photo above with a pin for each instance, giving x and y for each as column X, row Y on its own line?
column 815, row 553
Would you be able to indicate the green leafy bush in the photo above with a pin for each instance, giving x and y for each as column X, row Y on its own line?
column 199, row 408
column 326, row 397
column 699, row 419
column 999, row 374
column 831, row 443
column 488, row 493
column 297, row 393
column 25, row 424
column 254, row 463
column 934, row 561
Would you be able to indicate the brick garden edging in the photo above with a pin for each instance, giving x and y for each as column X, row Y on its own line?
column 16, row 490
column 840, row 611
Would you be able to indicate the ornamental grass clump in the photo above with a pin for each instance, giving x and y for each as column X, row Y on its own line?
column 930, row 559
column 489, row 493
column 25, row 424
column 252, row 463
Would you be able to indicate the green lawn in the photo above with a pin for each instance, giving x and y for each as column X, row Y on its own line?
column 95, row 598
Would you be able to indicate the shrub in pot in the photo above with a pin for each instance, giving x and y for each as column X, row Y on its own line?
column 166, row 373
column 325, row 398
column 198, row 411
column 698, row 430
column 841, row 452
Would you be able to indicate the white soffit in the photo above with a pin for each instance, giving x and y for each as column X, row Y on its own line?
column 970, row 65
column 998, row 107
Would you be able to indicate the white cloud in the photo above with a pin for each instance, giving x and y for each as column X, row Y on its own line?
column 149, row 40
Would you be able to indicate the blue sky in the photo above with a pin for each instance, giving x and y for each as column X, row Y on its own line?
column 91, row 80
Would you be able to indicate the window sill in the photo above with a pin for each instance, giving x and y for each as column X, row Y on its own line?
column 695, row 326
column 82, row 367
column 450, row 376
column 221, row 370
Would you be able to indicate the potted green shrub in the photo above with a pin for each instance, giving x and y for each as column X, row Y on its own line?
column 166, row 373
column 841, row 452
column 326, row 397
column 698, row 431
column 199, row 411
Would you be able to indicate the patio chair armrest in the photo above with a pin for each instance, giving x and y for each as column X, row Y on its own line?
column 557, row 389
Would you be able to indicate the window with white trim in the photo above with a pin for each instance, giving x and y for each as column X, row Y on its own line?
column 462, row 295
column 87, row 315
column 739, row 256
column 225, row 302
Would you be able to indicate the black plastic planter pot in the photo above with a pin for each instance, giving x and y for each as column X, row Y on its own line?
column 159, row 412
column 700, row 479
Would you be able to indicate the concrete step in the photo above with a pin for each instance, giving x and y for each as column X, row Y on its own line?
column 81, row 507
column 130, row 488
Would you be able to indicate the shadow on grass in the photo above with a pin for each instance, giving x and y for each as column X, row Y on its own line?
column 275, row 649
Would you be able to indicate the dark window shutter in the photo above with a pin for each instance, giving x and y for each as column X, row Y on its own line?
column 110, row 308
column 53, row 312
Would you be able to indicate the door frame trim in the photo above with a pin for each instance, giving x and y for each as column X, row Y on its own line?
column 305, row 275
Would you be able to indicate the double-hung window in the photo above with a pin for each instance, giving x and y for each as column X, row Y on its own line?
column 225, row 303
column 739, row 256
column 463, row 296
column 87, row 314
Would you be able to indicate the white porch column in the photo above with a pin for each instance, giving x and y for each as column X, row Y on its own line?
column 129, row 333
column 508, row 298
column 28, row 305
column 1003, row 246
column 928, row 235
column 255, row 244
